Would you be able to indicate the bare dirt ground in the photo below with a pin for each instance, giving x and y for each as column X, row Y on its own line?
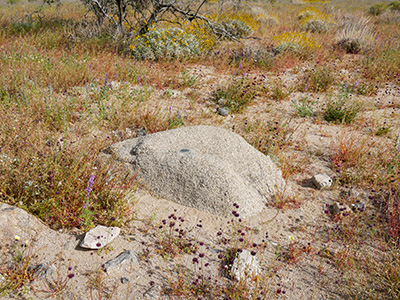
column 296, row 252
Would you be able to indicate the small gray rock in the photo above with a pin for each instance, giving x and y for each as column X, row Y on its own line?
column 340, row 208
column 322, row 181
column 2, row 279
column 123, row 257
column 99, row 236
column 42, row 270
column 223, row 111
column 70, row 245
column 124, row 280
column 153, row 293
column 245, row 265
column 141, row 132
column 356, row 194
column 222, row 101
column 359, row 206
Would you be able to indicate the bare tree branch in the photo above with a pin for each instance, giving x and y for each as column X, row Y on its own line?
column 104, row 12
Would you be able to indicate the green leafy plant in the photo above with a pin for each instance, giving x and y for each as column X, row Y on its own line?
column 304, row 107
column 342, row 109
column 237, row 95
column 175, row 120
column 317, row 80
column 187, row 80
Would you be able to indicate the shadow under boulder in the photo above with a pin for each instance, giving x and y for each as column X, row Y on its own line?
column 204, row 167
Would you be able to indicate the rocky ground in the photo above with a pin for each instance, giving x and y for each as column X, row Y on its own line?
column 291, row 243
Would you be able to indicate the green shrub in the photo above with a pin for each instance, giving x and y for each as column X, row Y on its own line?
column 170, row 43
column 236, row 28
column 304, row 107
column 377, row 9
column 395, row 6
column 317, row 80
column 316, row 25
column 342, row 109
column 237, row 95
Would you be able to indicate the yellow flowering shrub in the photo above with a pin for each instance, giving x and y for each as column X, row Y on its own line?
column 314, row 20
column 202, row 33
column 295, row 42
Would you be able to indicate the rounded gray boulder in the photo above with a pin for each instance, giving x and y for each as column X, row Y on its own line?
column 204, row 167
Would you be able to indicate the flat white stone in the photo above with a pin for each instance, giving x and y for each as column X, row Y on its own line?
column 322, row 181
column 99, row 236
column 245, row 265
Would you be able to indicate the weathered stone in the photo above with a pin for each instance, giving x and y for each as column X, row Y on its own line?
column 322, row 181
column 123, row 257
column 69, row 245
column 42, row 270
column 340, row 208
column 204, row 167
column 223, row 111
column 359, row 206
column 99, row 236
column 15, row 221
column 124, row 280
column 356, row 194
column 245, row 265
column 153, row 293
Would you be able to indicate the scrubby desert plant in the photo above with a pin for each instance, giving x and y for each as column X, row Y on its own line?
column 377, row 9
column 354, row 33
column 317, row 79
column 237, row 28
column 304, row 107
column 314, row 20
column 295, row 42
column 341, row 109
column 238, row 94
column 395, row 6
column 171, row 43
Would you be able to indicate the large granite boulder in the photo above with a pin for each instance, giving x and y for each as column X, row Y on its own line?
column 204, row 167
column 16, row 223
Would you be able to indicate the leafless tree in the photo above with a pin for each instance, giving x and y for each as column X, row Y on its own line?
column 140, row 15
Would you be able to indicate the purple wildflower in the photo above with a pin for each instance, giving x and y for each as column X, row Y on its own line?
column 105, row 80
column 89, row 187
